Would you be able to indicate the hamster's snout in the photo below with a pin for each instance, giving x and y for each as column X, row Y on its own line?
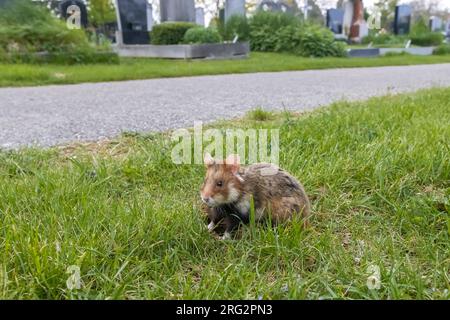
column 207, row 200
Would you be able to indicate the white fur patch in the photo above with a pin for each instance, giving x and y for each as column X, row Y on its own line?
column 233, row 193
column 239, row 177
column 211, row 226
column 226, row 236
column 243, row 206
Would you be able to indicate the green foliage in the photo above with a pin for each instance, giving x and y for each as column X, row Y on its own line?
column 170, row 32
column 22, row 12
column 422, row 36
column 237, row 26
column 101, row 12
column 264, row 27
column 280, row 32
column 420, row 26
column 29, row 33
column 427, row 39
column 385, row 39
column 316, row 41
column 419, row 37
column 287, row 39
column 443, row 49
column 259, row 114
column 202, row 35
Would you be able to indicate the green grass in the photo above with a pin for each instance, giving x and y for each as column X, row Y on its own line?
column 131, row 69
column 378, row 174
column 259, row 114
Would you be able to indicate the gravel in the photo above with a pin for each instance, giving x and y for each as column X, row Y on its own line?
column 51, row 115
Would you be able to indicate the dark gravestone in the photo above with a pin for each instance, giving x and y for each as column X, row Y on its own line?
column 335, row 20
column 74, row 12
column 402, row 20
column 222, row 15
column 133, row 21
column 364, row 53
column 177, row 10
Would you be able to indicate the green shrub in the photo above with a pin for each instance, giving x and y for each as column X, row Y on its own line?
column 202, row 35
column 287, row 39
column 264, row 27
column 427, row 39
column 23, row 12
column 274, row 20
column 420, row 26
column 421, row 36
column 29, row 33
column 280, row 32
column 236, row 26
column 316, row 41
column 384, row 39
column 443, row 49
column 170, row 32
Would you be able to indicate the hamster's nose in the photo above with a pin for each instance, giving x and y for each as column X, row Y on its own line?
column 206, row 199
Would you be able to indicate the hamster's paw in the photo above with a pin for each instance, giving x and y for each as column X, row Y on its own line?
column 226, row 236
column 211, row 227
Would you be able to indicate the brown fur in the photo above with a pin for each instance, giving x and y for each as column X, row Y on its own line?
column 276, row 194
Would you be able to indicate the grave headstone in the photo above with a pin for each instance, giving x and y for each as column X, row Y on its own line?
column 177, row 10
column 233, row 8
column 358, row 29
column 435, row 24
column 222, row 15
column 132, row 21
column 74, row 12
column 200, row 16
column 335, row 20
column 402, row 19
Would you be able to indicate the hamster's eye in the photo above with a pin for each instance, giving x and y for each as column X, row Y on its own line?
column 219, row 183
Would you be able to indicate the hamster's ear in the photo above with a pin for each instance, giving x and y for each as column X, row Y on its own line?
column 234, row 162
column 208, row 160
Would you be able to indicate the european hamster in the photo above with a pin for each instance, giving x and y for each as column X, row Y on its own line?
column 228, row 189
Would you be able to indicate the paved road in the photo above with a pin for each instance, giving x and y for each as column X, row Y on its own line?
column 52, row 115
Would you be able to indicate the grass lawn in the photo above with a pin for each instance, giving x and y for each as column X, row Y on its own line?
column 378, row 173
column 131, row 69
